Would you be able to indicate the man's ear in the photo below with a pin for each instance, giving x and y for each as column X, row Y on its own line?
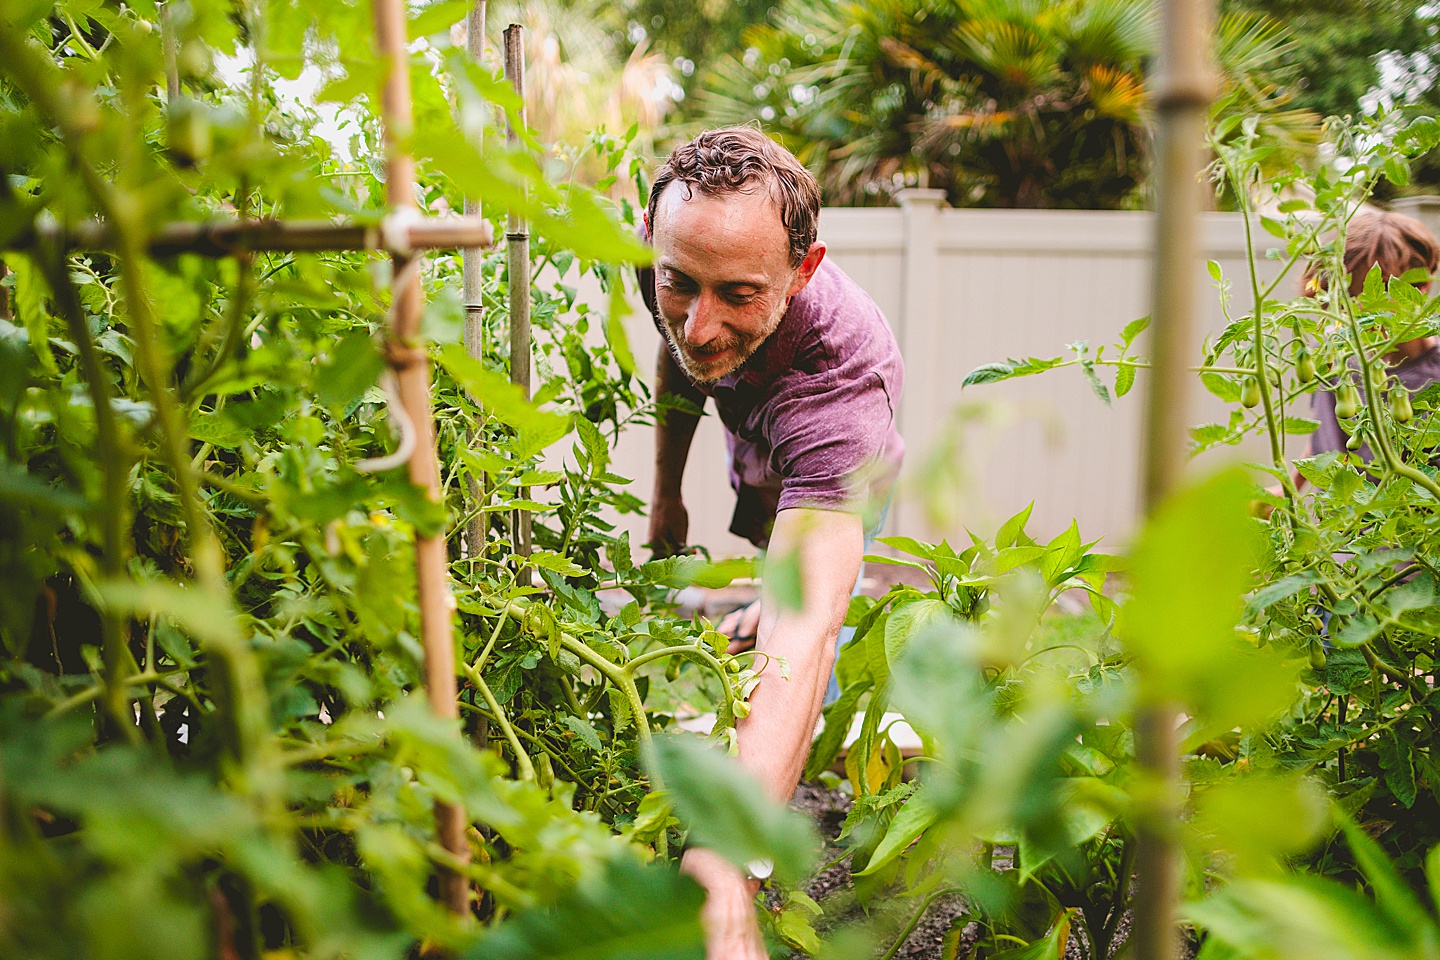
column 808, row 266
column 645, row 219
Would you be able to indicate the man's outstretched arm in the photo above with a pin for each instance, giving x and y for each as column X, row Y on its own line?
column 674, row 429
column 775, row 738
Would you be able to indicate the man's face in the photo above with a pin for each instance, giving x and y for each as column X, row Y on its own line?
column 722, row 276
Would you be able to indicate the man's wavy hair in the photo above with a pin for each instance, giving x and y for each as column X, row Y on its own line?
column 1392, row 241
column 735, row 160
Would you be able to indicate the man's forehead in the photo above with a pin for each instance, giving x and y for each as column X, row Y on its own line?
column 737, row 221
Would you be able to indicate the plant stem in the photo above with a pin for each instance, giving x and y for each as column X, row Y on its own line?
column 701, row 656
column 1261, row 373
column 522, row 759
column 914, row 922
column 1372, row 405
column 479, row 663
column 615, row 673
column 114, row 466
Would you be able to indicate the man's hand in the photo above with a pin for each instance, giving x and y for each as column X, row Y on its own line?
column 741, row 626
column 669, row 526
column 731, row 929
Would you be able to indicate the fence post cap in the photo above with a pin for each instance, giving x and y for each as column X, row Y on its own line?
column 917, row 196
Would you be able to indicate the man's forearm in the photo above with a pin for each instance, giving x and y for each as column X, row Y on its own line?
column 674, row 428
column 775, row 738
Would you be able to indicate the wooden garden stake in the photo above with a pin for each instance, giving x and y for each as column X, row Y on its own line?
column 472, row 292
column 171, row 46
column 410, row 366
column 1184, row 88
column 517, row 243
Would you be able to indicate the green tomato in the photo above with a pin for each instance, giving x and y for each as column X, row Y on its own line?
column 672, row 669
column 1354, row 443
column 1347, row 401
column 1304, row 366
column 188, row 138
column 1316, row 650
column 741, row 709
column 1400, row 408
column 1250, row 393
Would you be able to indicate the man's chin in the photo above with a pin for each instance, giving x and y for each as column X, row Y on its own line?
column 715, row 369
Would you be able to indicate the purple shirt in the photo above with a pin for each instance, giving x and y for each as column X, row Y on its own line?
column 810, row 417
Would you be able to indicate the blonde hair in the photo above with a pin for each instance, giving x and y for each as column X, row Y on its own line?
column 1392, row 241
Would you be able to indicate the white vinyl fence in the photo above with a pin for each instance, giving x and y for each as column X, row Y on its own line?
column 966, row 287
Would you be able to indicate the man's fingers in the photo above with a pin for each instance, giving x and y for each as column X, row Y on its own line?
column 731, row 930
column 750, row 621
column 742, row 622
column 741, row 627
column 730, row 622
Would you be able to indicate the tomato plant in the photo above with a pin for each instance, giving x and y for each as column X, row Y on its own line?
column 1343, row 592
column 212, row 731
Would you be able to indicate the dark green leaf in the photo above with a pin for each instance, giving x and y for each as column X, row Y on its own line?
column 353, row 368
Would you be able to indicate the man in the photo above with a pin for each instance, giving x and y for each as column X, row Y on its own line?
column 805, row 375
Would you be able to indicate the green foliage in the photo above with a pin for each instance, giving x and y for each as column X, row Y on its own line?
column 1002, row 103
column 726, row 809
column 1340, row 603
column 214, row 737
column 1338, row 44
column 1021, row 807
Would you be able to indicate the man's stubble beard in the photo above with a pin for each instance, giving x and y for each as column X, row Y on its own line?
column 744, row 348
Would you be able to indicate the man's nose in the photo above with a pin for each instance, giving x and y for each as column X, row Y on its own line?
column 702, row 323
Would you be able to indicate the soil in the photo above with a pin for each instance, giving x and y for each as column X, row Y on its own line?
column 831, row 887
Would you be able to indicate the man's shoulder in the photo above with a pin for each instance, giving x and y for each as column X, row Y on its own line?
column 834, row 321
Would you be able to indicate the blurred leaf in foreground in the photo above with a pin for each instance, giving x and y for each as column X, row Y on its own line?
column 632, row 911
column 726, row 808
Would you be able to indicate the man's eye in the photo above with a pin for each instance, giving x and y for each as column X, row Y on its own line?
column 739, row 299
column 678, row 285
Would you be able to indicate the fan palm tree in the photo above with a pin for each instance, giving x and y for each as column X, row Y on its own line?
column 1002, row 103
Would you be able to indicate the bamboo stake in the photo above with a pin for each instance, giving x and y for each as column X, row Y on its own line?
column 171, row 46
column 1184, row 88
column 472, row 287
column 399, row 233
column 410, row 366
column 517, row 240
